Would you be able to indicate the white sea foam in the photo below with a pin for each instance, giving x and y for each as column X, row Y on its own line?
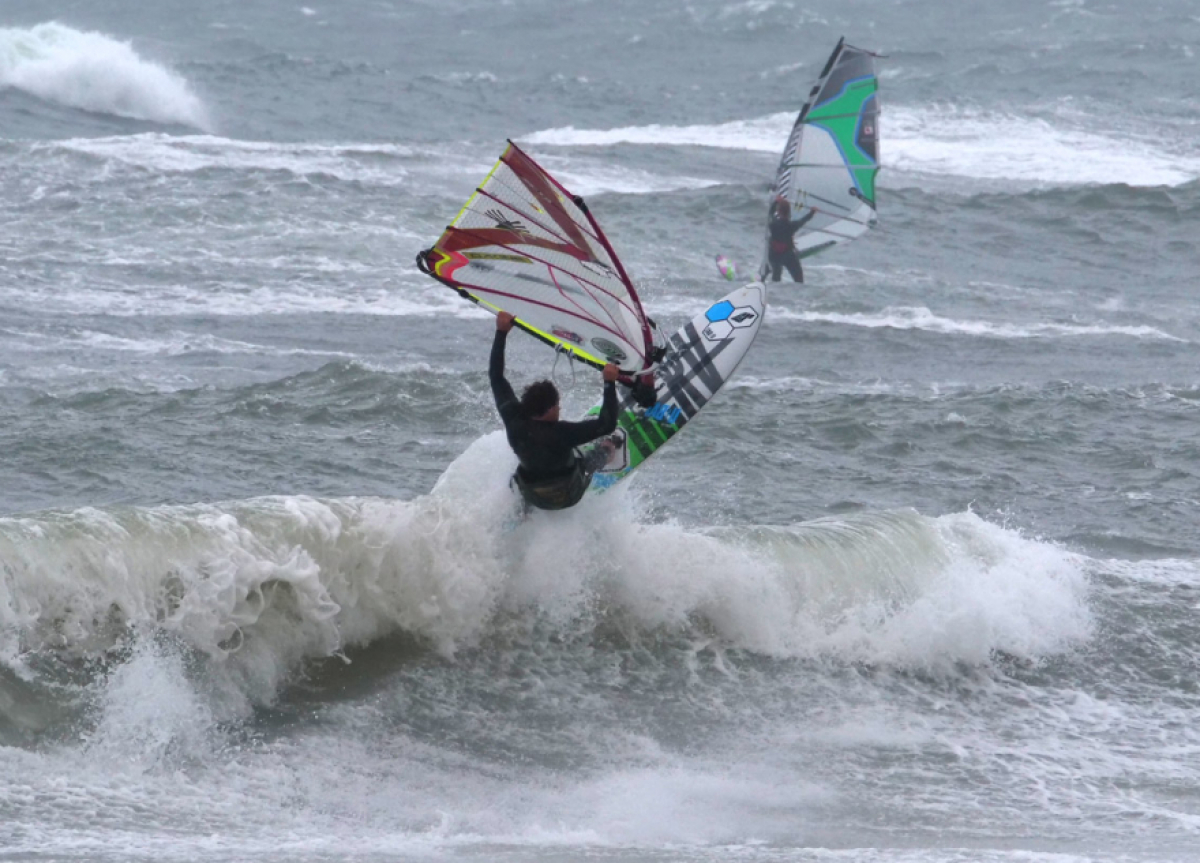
column 764, row 134
column 889, row 587
column 942, row 141
column 148, row 698
column 997, row 146
column 467, row 77
column 265, row 583
column 96, row 73
column 794, row 383
column 596, row 179
column 920, row 318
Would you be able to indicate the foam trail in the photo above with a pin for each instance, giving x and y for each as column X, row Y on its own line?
column 192, row 153
column 97, row 73
column 921, row 318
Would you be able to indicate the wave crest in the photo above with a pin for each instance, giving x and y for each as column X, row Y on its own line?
column 941, row 141
column 256, row 588
column 94, row 72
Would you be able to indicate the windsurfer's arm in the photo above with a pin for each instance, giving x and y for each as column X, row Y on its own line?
column 605, row 422
column 801, row 222
column 506, row 399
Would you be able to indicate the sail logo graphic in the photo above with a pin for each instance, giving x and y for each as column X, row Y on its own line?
column 724, row 319
column 599, row 268
column 610, row 351
column 504, row 223
column 567, row 335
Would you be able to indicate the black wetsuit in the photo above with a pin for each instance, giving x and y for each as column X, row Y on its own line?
column 781, row 248
column 552, row 475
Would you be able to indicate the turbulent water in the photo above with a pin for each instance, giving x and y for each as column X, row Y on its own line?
column 921, row 584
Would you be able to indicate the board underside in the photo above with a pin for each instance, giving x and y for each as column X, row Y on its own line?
column 701, row 357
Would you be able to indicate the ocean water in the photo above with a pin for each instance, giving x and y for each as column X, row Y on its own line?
column 922, row 584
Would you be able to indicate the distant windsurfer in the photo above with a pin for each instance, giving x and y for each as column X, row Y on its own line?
column 551, row 474
column 781, row 245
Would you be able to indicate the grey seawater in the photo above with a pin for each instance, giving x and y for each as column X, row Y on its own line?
column 921, row 584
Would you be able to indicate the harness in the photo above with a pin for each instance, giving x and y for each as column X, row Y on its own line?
column 560, row 492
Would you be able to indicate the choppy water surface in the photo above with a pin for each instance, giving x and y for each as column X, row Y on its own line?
column 921, row 585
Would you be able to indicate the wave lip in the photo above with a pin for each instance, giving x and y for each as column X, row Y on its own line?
column 94, row 72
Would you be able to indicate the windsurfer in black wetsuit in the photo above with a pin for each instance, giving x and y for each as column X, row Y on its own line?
column 781, row 246
column 551, row 475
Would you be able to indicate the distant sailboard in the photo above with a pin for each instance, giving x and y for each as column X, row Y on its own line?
column 524, row 244
column 827, row 173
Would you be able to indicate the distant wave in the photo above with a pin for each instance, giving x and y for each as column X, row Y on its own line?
column 1174, row 202
column 95, row 72
column 175, row 343
column 1000, row 146
column 186, row 299
column 379, row 164
column 921, row 318
column 375, row 164
column 939, row 141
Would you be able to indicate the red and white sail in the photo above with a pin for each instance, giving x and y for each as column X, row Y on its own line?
column 525, row 245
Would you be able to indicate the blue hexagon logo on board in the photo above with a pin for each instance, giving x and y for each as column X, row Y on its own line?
column 720, row 311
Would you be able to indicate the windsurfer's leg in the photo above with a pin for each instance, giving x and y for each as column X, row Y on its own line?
column 794, row 269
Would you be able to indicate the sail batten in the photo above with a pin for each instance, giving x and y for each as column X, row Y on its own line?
column 525, row 244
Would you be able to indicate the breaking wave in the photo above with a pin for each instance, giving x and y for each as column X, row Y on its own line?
column 95, row 72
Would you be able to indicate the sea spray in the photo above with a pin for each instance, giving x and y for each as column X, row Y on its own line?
column 258, row 587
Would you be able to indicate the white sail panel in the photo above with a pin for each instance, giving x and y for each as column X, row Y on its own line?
column 525, row 245
column 828, row 169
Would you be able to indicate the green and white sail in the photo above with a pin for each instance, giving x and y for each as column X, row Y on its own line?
column 827, row 173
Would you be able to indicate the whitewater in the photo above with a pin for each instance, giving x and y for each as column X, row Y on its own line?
column 921, row 584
